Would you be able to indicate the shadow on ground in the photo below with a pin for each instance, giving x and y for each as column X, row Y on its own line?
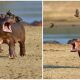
column 3, row 56
column 53, row 66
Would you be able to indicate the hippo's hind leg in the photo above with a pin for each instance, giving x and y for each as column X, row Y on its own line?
column 12, row 50
column 22, row 48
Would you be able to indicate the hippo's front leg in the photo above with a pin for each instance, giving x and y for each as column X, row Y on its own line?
column 12, row 50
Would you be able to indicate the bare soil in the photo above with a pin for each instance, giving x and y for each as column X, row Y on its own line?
column 60, row 63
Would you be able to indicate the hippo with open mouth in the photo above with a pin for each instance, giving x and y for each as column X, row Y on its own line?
column 76, row 46
column 12, row 31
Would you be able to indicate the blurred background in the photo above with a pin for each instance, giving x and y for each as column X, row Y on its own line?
column 29, row 11
column 60, row 22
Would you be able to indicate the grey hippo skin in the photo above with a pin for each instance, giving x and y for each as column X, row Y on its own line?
column 12, row 31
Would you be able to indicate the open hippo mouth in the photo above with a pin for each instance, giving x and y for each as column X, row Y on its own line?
column 73, row 49
column 7, row 27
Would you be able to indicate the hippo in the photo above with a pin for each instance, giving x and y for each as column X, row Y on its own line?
column 76, row 46
column 11, row 32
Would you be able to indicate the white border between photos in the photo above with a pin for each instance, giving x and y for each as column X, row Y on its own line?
column 22, row 0
column 42, row 40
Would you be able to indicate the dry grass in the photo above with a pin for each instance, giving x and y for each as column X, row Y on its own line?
column 29, row 66
column 59, row 62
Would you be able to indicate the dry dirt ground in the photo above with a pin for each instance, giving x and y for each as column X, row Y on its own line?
column 29, row 66
column 59, row 62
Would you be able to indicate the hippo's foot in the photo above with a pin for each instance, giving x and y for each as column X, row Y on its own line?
column 12, row 56
column 22, row 54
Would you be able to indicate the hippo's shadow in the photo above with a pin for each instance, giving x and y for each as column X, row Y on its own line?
column 3, row 56
column 54, row 66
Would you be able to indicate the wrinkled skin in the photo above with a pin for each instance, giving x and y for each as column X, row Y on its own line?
column 11, row 32
column 76, row 46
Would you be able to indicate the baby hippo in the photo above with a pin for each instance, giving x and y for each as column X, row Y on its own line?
column 12, row 31
column 76, row 46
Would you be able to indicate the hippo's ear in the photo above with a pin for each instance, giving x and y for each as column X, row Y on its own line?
column 7, row 28
column 18, row 19
column 9, row 13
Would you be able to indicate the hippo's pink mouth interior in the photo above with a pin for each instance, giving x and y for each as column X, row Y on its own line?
column 7, row 27
column 7, row 24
